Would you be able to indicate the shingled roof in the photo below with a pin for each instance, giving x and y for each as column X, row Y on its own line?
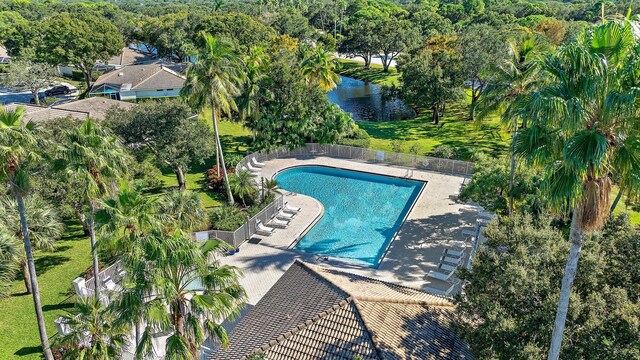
column 130, row 56
column 143, row 77
column 318, row 313
column 95, row 108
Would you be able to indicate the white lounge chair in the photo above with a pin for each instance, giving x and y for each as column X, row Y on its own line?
column 285, row 216
column 440, row 276
column 439, row 291
column 252, row 169
column 457, row 244
column 454, row 252
column 277, row 223
column 291, row 209
column 447, row 267
column 263, row 230
column 452, row 260
column 469, row 232
column 256, row 162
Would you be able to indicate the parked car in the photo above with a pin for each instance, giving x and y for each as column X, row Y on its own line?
column 41, row 96
column 58, row 90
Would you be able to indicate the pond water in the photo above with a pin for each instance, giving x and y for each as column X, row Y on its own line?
column 367, row 102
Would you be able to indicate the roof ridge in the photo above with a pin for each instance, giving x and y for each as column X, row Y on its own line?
column 443, row 303
column 305, row 325
column 374, row 339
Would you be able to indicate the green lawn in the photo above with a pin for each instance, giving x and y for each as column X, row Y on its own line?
column 56, row 270
column 454, row 130
column 634, row 213
column 374, row 74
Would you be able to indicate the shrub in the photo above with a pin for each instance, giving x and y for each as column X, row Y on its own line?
column 396, row 146
column 358, row 138
column 215, row 180
column 232, row 160
column 444, row 152
column 227, row 217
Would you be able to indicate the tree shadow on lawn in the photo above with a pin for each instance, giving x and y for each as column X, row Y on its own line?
column 55, row 307
column 28, row 350
column 235, row 145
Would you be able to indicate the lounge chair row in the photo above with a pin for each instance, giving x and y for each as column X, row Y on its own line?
column 253, row 166
column 280, row 221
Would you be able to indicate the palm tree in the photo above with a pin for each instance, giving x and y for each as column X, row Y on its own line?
column 124, row 220
column 248, row 105
column 95, row 332
column 94, row 156
column 318, row 68
column 242, row 185
column 181, row 209
column 125, row 216
column 197, row 291
column 583, row 131
column 511, row 81
column 18, row 147
column 10, row 255
column 45, row 226
column 213, row 82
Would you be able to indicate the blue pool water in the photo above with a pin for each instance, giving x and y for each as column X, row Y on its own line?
column 362, row 211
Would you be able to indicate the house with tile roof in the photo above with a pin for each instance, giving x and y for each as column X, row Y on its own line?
column 133, row 82
column 95, row 108
column 318, row 313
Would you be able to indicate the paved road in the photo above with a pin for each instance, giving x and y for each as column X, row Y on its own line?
column 8, row 96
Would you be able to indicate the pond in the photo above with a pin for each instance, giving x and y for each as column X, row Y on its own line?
column 367, row 102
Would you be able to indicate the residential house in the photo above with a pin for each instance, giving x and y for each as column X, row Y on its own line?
column 133, row 82
column 128, row 56
column 317, row 313
column 95, row 108
column 4, row 56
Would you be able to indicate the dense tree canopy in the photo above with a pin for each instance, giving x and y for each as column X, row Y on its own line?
column 513, row 291
column 166, row 130
column 80, row 40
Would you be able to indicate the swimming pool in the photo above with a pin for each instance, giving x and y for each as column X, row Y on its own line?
column 362, row 211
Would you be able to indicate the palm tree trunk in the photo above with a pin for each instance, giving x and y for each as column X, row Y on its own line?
column 214, row 114
column 27, row 278
column 94, row 250
column 512, row 175
column 576, row 237
column 182, row 184
column 35, row 289
column 615, row 202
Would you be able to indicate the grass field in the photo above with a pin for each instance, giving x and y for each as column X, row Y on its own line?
column 374, row 74
column 56, row 270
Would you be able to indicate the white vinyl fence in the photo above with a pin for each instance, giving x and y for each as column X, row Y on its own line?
column 244, row 232
column 362, row 154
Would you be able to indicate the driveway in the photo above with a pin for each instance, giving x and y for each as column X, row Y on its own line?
column 8, row 96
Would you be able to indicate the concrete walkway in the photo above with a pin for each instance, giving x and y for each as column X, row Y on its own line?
column 433, row 223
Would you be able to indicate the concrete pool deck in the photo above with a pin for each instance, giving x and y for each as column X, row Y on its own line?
column 434, row 221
